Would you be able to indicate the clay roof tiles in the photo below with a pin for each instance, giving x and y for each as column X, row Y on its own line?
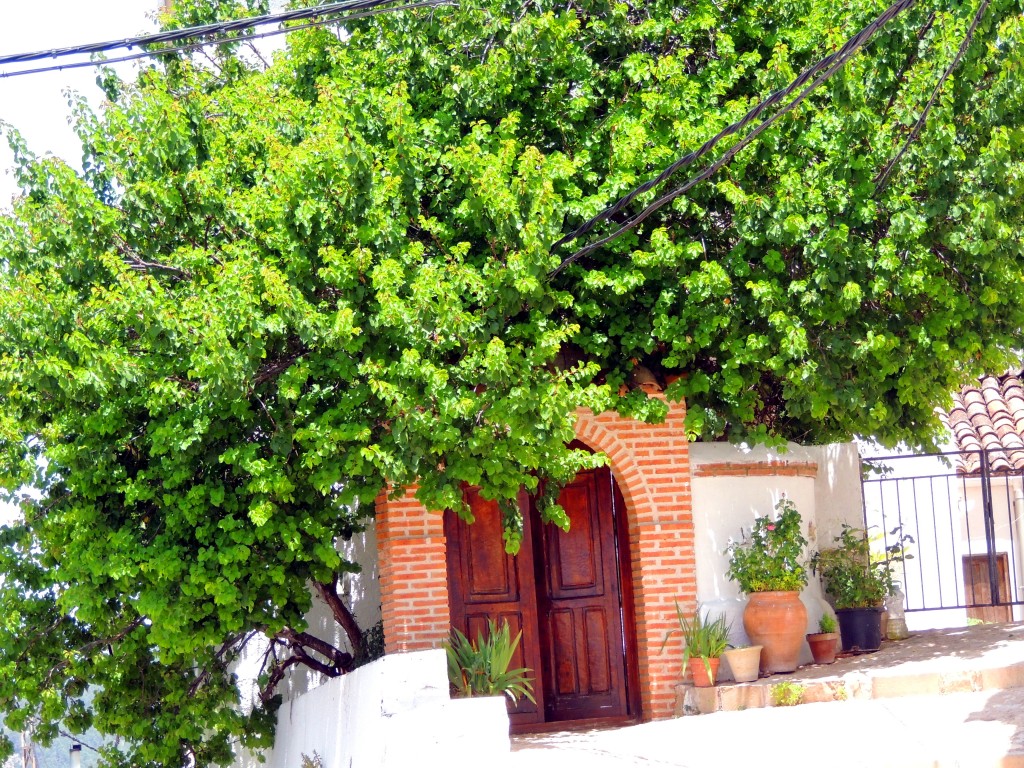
column 989, row 417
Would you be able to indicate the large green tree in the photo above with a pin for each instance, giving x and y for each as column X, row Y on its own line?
column 275, row 291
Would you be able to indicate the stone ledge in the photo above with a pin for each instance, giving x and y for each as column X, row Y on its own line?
column 732, row 697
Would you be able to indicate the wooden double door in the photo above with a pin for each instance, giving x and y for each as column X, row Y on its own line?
column 568, row 592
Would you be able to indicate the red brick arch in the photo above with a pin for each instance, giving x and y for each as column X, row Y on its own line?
column 651, row 465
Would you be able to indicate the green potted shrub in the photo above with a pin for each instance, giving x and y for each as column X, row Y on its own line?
column 768, row 564
column 481, row 667
column 704, row 641
column 858, row 582
column 823, row 642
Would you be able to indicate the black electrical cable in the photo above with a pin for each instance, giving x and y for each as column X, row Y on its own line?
column 822, row 71
column 883, row 178
column 242, row 39
column 188, row 33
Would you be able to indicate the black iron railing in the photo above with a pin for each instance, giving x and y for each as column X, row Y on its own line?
column 965, row 512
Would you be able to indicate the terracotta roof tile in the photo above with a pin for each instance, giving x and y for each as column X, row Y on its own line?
column 990, row 417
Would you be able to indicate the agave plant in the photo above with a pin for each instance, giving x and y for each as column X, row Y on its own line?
column 703, row 638
column 481, row 667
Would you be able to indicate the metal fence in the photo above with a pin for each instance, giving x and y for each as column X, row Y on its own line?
column 965, row 512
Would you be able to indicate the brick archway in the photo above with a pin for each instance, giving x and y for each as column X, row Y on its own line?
column 650, row 462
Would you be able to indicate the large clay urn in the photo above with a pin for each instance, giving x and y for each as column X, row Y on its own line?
column 778, row 622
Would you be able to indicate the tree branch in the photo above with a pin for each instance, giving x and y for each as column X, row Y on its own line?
column 136, row 262
column 342, row 661
column 341, row 613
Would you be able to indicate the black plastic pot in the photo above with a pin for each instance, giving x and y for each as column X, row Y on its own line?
column 861, row 628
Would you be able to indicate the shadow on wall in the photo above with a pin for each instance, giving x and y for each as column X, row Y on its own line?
column 360, row 591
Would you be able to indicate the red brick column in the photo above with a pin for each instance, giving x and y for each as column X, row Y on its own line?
column 651, row 463
column 413, row 574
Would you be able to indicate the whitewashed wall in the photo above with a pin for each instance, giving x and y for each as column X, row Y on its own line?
column 723, row 506
column 393, row 713
column 1009, row 538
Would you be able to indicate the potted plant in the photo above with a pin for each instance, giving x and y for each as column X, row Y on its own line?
column 767, row 564
column 823, row 642
column 704, row 641
column 481, row 667
column 744, row 662
column 858, row 582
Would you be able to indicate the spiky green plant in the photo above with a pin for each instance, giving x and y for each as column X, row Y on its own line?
column 702, row 638
column 481, row 667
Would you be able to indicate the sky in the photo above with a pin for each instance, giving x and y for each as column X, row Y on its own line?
column 36, row 104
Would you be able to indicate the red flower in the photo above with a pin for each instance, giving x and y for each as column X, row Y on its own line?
column 771, row 526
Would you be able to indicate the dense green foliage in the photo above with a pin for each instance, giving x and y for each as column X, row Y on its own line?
column 771, row 557
column 853, row 575
column 273, row 293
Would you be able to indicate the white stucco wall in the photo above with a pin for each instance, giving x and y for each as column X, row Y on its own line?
column 360, row 591
column 1008, row 530
column 838, row 496
column 392, row 713
column 723, row 506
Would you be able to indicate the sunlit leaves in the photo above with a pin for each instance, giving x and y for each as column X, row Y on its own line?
column 273, row 295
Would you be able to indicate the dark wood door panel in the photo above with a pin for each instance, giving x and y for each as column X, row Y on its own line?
column 490, row 574
column 579, row 652
column 485, row 583
column 564, row 591
column 574, row 558
column 582, row 638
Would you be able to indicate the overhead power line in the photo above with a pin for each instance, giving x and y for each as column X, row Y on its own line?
column 816, row 74
column 369, row 8
column 883, row 177
column 190, row 33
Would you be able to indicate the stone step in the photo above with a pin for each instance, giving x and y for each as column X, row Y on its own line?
column 893, row 672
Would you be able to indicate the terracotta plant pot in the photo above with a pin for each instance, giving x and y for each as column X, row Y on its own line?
column 744, row 663
column 778, row 622
column 823, row 646
column 699, row 672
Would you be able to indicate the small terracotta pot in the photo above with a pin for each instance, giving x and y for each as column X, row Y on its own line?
column 699, row 672
column 778, row 622
column 823, row 646
column 744, row 663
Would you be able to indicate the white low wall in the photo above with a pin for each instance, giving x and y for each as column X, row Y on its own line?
column 725, row 505
column 392, row 713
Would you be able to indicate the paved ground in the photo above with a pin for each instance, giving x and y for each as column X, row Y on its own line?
column 972, row 716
